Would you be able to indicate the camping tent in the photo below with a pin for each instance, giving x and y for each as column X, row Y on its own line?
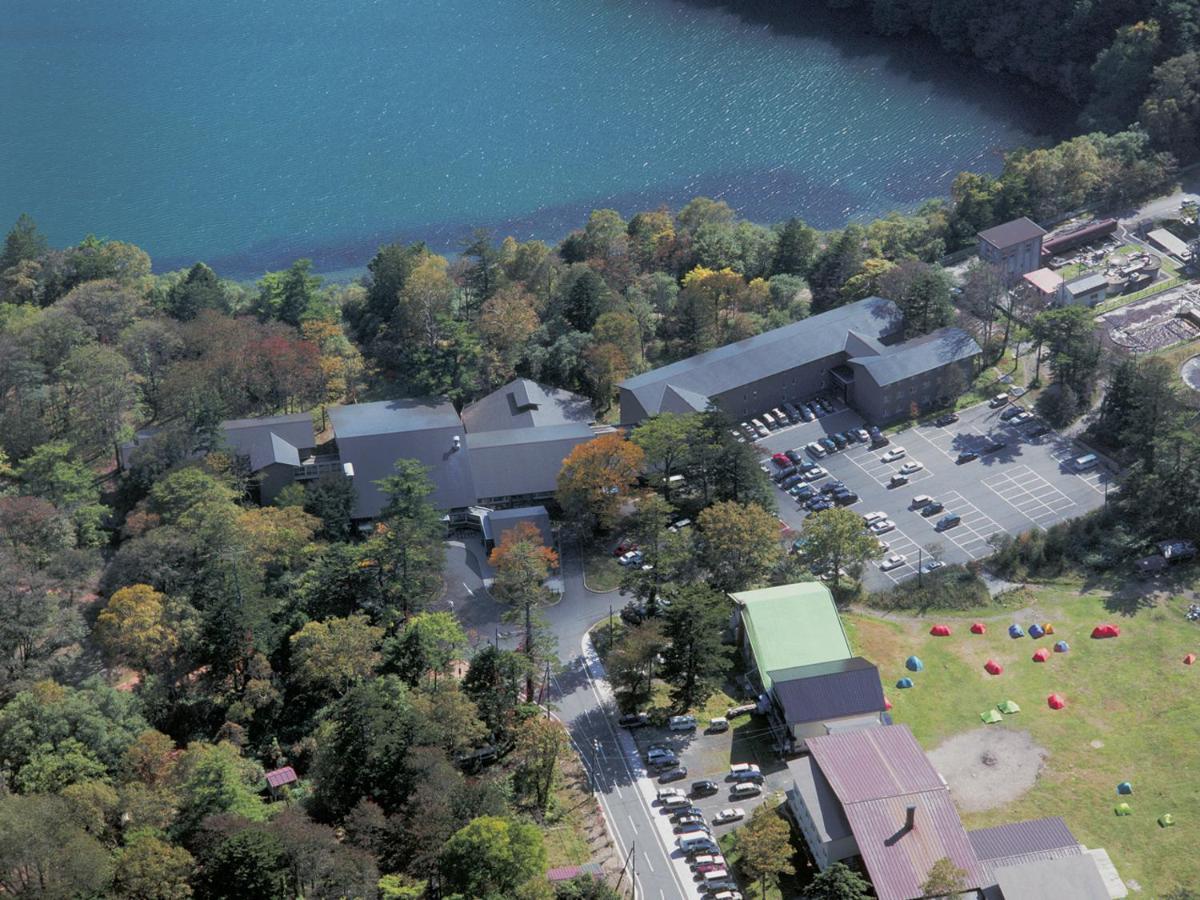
column 1048, row 628
column 1015, row 631
column 904, row 683
column 1061, row 647
column 914, row 664
column 1123, row 809
column 1106, row 631
column 1166, row 820
column 1124, row 788
column 978, row 628
column 887, row 704
column 1008, row 707
column 940, row 631
column 1189, row 659
column 993, row 667
column 1042, row 655
column 1036, row 630
column 1056, row 701
column 991, row 717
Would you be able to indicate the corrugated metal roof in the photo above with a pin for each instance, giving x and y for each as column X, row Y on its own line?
column 1072, row 878
column 1016, row 838
column 770, row 353
column 829, row 690
column 790, row 624
column 1012, row 233
column 1087, row 284
column 279, row 777
column 875, row 763
column 526, row 404
column 898, row 859
column 521, row 461
column 918, row 356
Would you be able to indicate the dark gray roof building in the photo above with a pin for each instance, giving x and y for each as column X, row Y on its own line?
column 1012, row 233
column 526, row 404
column 828, row 690
column 1072, row 878
column 270, row 440
column 372, row 436
column 520, row 465
column 917, row 357
column 1020, row 844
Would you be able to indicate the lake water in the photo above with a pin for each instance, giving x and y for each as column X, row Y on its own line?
column 250, row 132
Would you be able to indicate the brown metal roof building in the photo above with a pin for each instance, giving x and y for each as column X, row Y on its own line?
column 1016, row 246
column 898, row 809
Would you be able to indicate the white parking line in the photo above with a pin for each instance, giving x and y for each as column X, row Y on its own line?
column 1030, row 494
column 973, row 521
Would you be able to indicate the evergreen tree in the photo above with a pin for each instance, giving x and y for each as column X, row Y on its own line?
column 695, row 660
column 23, row 242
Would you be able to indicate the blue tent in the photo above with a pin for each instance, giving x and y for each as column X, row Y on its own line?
column 1061, row 647
column 1124, row 788
column 904, row 683
column 1015, row 631
column 1036, row 630
column 914, row 664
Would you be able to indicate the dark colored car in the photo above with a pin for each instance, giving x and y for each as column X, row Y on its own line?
column 945, row 419
column 1011, row 413
column 845, row 498
column 704, row 788
column 689, row 823
column 633, row 720
column 829, row 445
column 1039, row 431
column 791, row 481
column 995, row 446
column 786, row 472
column 663, row 763
column 949, row 521
column 803, row 492
column 806, row 414
column 878, row 438
column 825, row 404
column 833, row 487
column 795, row 456
column 677, row 774
column 686, row 811
column 633, row 614
column 819, row 504
column 837, row 438
column 932, row 509
column 966, row 456
column 851, row 437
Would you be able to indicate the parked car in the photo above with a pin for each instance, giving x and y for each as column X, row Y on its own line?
column 769, row 420
column 825, row 404
column 791, row 481
column 802, row 491
column 878, row 438
column 819, row 504
column 705, row 868
column 759, row 428
column 708, row 859
column 965, row 457
column 730, row 814
column 897, row 480
column 1039, row 431
column 717, row 725
column 745, row 789
column 632, row 614
column 634, row 720
column 748, row 430
column 863, row 435
column 676, row 774
column 662, row 763
column 948, row 521
column 781, row 460
column 815, row 450
column 678, row 525
column 682, row 723
column 910, row 467
column 851, row 436
column 1022, row 417
column 872, row 517
column 632, row 558
column 1011, row 413
column 845, row 498
column 892, row 455
column 945, row 419
column 995, row 446
column 839, row 440
column 1085, row 463
column 624, row 547
column 883, row 526
column 737, row 770
column 726, row 895
column 794, row 455
column 815, row 473
column 691, row 823
column 686, row 811
column 932, row 566
column 998, row 401
column 785, row 473
column 828, row 444
column 895, row 561
column 932, row 509
column 833, row 487
column 920, row 501
column 806, row 414
column 704, row 788
column 666, row 794
column 781, row 417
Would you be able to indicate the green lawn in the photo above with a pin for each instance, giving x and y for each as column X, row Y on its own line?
column 572, row 824
column 1132, row 696
column 601, row 569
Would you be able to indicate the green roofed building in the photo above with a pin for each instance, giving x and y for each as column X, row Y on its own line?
column 788, row 626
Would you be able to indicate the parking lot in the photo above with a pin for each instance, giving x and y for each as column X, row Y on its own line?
column 1027, row 483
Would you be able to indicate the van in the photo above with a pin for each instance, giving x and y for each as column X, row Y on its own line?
column 682, row 723
column 769, row 421
column 998, row 401
column 698, row 842
column 675, row 803
column 669, row 794
column 745, row 789
column 1084, row 463
column 715, row 877
column 738, row 769
column 719, row 724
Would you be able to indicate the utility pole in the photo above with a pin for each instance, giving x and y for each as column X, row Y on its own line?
column 624, row 866
column 632, row 872
column 920, row 576
column 547, row 690
column 610, row 627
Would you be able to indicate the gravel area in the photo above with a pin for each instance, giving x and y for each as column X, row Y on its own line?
column 988, row 767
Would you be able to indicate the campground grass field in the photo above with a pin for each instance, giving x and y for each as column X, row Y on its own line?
column 1131, row 715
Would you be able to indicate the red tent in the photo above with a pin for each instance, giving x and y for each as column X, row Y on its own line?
column 940, row 631
column 1106, row 631
column 1189, row 659
column 887, row 704
column 993, row 667
column 1056, row 701
column 978, row 628
column 1042, row 655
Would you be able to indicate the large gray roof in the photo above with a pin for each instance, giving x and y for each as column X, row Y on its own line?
column 1012, row 233
column 270, row 440
column 1072, row 878
column 823, row 805
column 920, row 355
column 1022, row 839
column 763, row 355
column 828, row 690
column 521, row 461
column 392, row 417
column 525, row 404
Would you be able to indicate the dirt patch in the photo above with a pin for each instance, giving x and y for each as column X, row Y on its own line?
column 988, row 767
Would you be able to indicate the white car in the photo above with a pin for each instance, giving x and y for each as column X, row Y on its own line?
column 885, row 546
column 744, row 769
column 932, row 566
column 892, row 455
column 816, row 473
column 909, row 467
column 745, row 789
column 872, row 517
column 921, row 501
column 732, row 814
column 883, row 526
column 1022, row 418
column 895, row 561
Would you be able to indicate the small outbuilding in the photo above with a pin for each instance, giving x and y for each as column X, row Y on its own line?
column 1042, row 655
column 978, row 628
column 940, row 631
column 993, row 667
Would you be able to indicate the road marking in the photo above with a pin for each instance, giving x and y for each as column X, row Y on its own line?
column 469, row 591
column 1030, row 494
column 649, row 864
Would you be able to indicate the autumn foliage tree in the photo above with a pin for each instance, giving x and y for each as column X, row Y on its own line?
column 522, row 566
column 596, row 478
column 741, row 544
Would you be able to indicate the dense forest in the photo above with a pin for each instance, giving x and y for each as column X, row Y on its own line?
column 1122, row 61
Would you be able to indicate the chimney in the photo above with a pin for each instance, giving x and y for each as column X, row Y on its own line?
column 910, row 818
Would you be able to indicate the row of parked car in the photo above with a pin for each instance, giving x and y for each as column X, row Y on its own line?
column 787, row 414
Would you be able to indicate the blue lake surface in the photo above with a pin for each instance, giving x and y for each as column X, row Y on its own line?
column 250, row 132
